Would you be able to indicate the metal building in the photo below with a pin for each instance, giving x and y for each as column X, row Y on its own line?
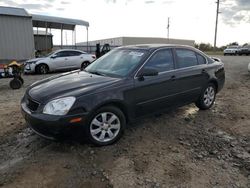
column 16, row 34
column 123, row 41
column 43, row 41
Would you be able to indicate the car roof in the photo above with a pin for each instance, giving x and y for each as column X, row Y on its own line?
column 152, row 47
column 61, row 50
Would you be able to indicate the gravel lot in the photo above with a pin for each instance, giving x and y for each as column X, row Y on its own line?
column 183, row 148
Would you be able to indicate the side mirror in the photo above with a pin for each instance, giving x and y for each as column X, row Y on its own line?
column 148, row 72
column 53, row 56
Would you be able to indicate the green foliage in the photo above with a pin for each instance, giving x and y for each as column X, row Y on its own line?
column 204, row 46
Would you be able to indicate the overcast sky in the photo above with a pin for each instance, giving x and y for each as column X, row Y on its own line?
column 189, row 19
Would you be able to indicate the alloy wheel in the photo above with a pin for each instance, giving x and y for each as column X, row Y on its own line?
column 105, row 127
column 43, row 69
column 209, row 96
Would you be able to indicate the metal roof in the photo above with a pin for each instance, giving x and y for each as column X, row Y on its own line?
column 11, row 11
column 56, row 22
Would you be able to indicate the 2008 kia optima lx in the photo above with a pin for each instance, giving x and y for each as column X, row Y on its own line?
column 123, row 85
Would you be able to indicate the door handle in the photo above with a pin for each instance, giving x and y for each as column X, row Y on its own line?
column 173, row 78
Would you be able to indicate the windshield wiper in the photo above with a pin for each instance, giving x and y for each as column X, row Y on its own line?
column 96, row 73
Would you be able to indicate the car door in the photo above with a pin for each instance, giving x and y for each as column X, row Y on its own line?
column 58, row 61
column 76, row 59
column 191, row 75
column 153, row 93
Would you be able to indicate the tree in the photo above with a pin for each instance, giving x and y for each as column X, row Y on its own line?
column 204, row 46
column 233, row 44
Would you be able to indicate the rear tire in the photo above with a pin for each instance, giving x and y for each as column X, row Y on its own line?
column 207, row 98
column 105, row 126
column 84, row 65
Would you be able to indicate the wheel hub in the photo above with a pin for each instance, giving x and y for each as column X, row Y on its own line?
column 105, row 126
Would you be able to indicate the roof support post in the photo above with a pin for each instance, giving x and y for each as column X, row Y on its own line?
column 75, row 37
column 46, row 37
column 72, row 35
column 61, row 35
column 87, row 39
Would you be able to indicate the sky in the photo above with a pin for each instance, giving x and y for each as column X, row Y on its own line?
column 189, row 19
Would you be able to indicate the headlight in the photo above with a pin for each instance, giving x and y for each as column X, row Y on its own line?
column 59, row 106
column 31, row 62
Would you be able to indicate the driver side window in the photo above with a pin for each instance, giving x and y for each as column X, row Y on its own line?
column 162, row 61
column 62, row 54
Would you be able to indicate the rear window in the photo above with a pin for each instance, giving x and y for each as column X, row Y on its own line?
column 201, row 59
column 186, row 58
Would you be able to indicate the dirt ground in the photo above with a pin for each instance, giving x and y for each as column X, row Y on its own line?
column 183, row 148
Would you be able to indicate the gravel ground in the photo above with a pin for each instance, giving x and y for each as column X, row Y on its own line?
column 182, row 148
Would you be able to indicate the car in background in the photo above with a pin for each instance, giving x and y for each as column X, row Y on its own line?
column 66, row 59
column 119, row 87
column 244, row 50
column 231, row 50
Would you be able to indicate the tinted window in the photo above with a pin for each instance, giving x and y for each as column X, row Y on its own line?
column 186, row 58
column 201, row 59
column 63, row 54
column 162, row 61
column 75, row 53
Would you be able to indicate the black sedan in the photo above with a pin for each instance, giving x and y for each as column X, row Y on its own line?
column 123, row 85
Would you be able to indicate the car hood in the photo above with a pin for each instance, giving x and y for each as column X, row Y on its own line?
column 229, row 50
column 35, row 59
column 75, row 83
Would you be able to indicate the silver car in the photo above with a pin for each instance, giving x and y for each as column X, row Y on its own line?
column 231, row 50
column 59, row 60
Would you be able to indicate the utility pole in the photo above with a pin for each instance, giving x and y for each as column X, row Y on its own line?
column 168, row 28
column 216, row 23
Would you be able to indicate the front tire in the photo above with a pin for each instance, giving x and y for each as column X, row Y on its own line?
column 207, row 98
column 42, row 69
column 106, row 126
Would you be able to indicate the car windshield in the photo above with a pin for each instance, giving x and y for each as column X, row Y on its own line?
column 117, row 63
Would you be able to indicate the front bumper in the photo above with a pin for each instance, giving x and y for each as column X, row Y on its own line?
column 29, row 68
column 50, row 126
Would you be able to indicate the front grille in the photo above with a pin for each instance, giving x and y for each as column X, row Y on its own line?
column 32, row 105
